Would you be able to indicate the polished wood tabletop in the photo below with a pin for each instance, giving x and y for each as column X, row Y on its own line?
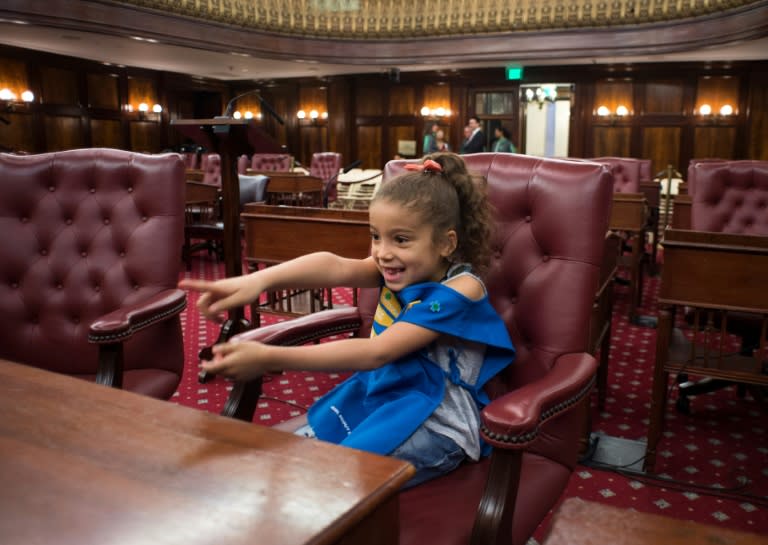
column 86, row 464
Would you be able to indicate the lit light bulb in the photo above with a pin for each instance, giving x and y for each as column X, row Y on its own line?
column 324, row 115
column 425, row 111
column 237, row 114
column 27, row 96
column 603, row 111
column 622, row 111
column 157, row 108
column 727, row 109
column 301, row 114
column 249, row 114
column 705, row 109
column 143, row 107
column 6, row 94
column 313, row 114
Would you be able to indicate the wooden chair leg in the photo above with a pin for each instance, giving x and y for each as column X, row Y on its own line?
column 659, row 390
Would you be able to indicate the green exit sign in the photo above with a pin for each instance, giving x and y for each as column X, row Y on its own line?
column 514, row 72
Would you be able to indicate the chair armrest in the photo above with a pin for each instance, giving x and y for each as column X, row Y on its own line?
column 304, row 329
column 512, row 421
column 122, row 323
column 244, row 396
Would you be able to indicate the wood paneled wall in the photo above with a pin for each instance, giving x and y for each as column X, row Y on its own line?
column 372, row 117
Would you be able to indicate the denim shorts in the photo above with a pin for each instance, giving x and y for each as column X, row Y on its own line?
column 432, row 454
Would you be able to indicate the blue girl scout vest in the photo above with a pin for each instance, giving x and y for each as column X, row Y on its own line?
column 378, row 410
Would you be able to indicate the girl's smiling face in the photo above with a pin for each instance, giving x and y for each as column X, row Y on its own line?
column 405, row 248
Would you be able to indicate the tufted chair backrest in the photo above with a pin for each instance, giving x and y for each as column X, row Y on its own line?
column 190, row 159
column 243, row 164
column 691, row 174
column 85, row 233
column 326, row 165
column 551, row 219
column 273, row 162
column 212, row 169
column 626, row 173
column 731, row 197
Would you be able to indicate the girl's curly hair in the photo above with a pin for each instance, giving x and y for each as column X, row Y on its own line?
column 451, row 199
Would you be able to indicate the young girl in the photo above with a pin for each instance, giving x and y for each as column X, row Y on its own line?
column 436, row 340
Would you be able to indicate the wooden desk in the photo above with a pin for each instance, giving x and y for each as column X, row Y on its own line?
column 85, row 464
column 630, row 214
column 274, row 234
column 707, row 272
column 579, row 522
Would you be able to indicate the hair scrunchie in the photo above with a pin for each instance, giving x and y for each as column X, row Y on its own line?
column 427, row 166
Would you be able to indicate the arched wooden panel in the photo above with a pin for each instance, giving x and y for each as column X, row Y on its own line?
column 611, row 142
column 369, row 146
column 715, row 142
column 662, row 146
column 107, row 133
column 63, row 133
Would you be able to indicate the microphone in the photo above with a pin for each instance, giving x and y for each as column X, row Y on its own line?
column 263, row 103
column 350, row 166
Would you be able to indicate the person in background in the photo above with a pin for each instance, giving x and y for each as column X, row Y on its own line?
column 440, row 143
column 430, row 139
column 467, row 134
column 476, row 141
column 503, row 143
column 436, row 339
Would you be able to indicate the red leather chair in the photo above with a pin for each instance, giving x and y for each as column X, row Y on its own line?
column 90, row 262
column 271, row 162
column 326, row 166
column 552, row 216
column 212, row 169
column 730, row 197
column 243, row 164
column 626, row 179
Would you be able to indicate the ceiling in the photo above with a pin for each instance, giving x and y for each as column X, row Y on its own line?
column 138, row 52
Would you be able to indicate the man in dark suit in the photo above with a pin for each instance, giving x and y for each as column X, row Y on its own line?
column 476, row 141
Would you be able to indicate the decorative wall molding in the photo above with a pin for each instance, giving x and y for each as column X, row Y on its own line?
column 386, row 19
column 177, row 22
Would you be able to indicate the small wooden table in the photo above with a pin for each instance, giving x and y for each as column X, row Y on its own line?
column 579, row 522
column 85, row 464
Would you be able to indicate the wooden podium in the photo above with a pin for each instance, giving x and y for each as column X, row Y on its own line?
column 229, row 138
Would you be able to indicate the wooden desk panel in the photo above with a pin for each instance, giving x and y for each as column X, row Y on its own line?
column 579, row 522
column 275, row 234
column 85, row 464
column 629, row 212
column 718, row 270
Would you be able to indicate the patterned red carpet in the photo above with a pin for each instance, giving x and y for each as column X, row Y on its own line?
column 720, row 450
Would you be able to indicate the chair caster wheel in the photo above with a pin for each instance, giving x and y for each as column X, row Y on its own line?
column 683, row 405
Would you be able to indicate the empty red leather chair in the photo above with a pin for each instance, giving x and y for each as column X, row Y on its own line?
column 89, row 266
column 212, row 169
column 626, row 173
column 552, row 216
column 271, row 162
column 326, row 166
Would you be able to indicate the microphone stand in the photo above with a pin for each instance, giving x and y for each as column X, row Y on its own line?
column 332, row 179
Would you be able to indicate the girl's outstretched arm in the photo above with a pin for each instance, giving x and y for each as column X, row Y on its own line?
column 248, row 359
column 317, row 270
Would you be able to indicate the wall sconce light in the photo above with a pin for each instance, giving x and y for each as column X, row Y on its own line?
column 605, row 112
column 313, row 116
column 540, row 95
column 725, row 111
column 145, row 111
column 248, row 114
column 438, row 112
column 10, row 100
